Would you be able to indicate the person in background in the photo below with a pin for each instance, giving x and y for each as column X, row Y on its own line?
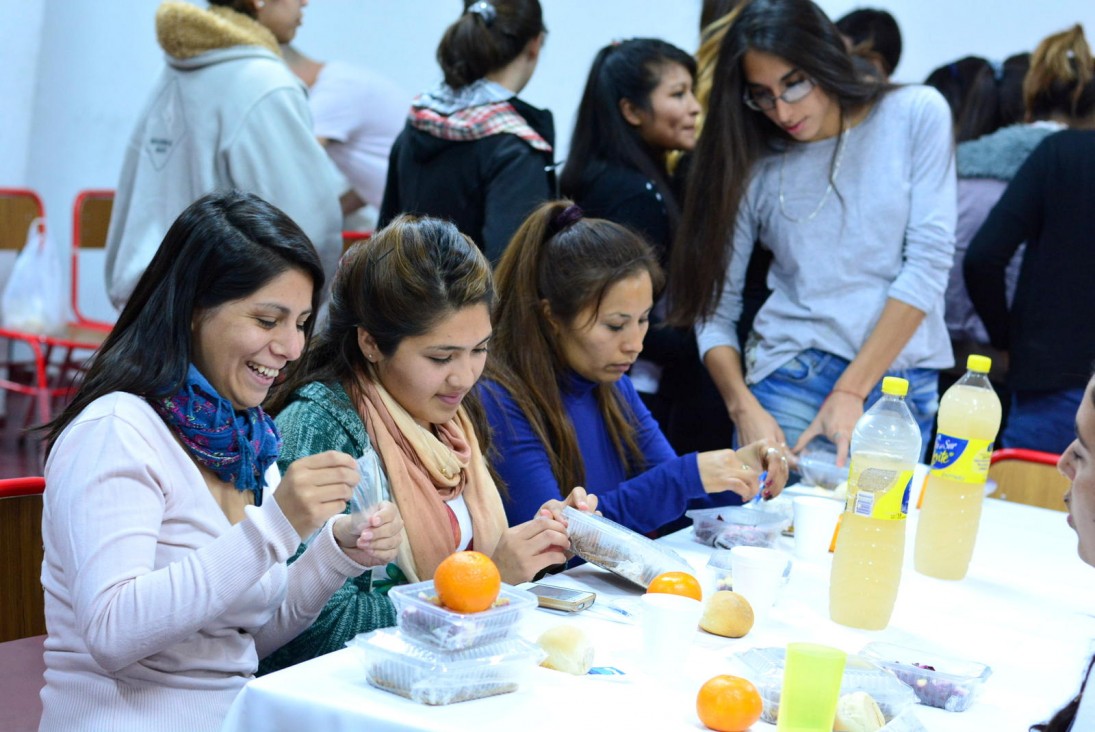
column 167, row 524
column 356, row 115
column 850, row 184
column 873, row 35
column 1077, row 463
column 1052, row 93
column 225, row 113
column 970, row 87
column 637, row 108
column 1047, row 334
column 574, row 302
column 389, row 380
column 472, row 151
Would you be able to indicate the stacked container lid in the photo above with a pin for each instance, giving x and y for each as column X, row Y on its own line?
column 438, row 656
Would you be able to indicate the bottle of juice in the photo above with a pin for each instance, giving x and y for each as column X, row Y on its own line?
column 871, row 545
column 969, row 417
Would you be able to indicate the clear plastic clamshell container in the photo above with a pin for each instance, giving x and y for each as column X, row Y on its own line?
column 423, row 619
column 421, row 673
column 733, row 526
column 764, row 667
column 938, row 681
column 619, row 549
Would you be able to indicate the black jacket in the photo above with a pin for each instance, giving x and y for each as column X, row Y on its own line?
column 487, row 187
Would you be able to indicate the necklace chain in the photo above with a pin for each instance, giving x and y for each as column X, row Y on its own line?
column 828, row 189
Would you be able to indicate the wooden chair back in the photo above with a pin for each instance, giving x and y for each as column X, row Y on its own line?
column 18, row 207
column 22, row 604
column 1028, row 476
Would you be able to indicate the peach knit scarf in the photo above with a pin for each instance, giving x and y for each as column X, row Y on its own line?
column 425, row 470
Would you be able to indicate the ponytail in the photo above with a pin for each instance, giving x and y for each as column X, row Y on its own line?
column 488, row 35
column 562, row 263
column 1060, row 80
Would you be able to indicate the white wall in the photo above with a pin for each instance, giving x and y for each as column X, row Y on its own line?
column 74, row 73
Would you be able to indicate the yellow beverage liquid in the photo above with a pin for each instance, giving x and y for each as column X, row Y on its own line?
column 951, row 513
column 869, row 554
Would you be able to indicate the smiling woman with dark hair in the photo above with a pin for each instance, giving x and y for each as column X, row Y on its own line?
column 167, row 525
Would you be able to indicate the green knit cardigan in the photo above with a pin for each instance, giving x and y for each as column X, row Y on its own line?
column 321, row 417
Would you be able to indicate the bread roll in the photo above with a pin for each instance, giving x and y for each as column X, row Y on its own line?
column 858, row 712
column 727, row 614
column 568, row 650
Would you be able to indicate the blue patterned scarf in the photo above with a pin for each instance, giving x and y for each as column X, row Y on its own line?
column 237, row 446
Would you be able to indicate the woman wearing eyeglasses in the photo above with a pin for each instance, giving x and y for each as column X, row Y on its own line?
column 850, row 184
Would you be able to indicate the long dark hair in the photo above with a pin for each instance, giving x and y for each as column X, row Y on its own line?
column 628, row 70
column 569, row 265
column 223, row 247
column 734, row 137
column 481, row 42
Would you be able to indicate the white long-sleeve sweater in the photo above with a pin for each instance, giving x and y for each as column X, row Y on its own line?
column 158, row 608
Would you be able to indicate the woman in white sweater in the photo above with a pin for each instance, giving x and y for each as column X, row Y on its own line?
column 166, row 527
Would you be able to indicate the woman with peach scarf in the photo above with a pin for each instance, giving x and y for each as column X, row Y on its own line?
column 404, row 344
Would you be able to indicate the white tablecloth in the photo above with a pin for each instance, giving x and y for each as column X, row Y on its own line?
column 1026, row 609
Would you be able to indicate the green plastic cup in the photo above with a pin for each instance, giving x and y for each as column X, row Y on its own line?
column 811, row 687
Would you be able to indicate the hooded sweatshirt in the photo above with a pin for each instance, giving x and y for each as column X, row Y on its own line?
column 225, row 113
column 478, row 156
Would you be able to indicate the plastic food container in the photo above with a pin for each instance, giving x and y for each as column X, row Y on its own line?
column 764, row 667
column 398, row 664
column 938, row 681
column 425, row 621
column 817, row 464
column 619, row 549
column 734, row 526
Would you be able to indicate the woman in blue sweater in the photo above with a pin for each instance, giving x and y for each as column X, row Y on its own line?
column 574, row 301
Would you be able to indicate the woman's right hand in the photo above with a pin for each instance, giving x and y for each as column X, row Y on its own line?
column 315, row 488
column 527, row 548
column 754, row 423
column 723, row 470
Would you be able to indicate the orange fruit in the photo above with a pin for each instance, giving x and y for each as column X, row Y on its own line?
column 676, row 583
column 728, row 704
column 467, row 582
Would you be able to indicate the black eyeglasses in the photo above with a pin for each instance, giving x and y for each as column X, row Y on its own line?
column 766, row 101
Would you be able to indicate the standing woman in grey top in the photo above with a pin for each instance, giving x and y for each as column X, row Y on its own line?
column 850, row 183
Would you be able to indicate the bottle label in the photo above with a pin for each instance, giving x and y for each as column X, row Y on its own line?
column 963, row 461
column 879, row 493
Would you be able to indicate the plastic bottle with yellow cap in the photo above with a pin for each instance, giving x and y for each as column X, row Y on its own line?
column 870, row 548
column 969, row 418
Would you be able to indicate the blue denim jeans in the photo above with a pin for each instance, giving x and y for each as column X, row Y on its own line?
column 1042, row 420
column 795, row 391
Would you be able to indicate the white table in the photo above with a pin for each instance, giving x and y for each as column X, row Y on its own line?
column 1027, row 609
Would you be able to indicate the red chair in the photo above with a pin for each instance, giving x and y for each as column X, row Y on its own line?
column 22, row 613
column 349, row 238
column 1028, row 476
column 48, row 380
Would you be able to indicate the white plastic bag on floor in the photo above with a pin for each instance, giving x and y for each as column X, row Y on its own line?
column 34, row 296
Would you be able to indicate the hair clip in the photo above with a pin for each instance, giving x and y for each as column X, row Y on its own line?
column 484, row 10
column 565, row 218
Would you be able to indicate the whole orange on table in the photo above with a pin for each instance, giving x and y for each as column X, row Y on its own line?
column 729, row 704
column 467, row 582
column 676, row 583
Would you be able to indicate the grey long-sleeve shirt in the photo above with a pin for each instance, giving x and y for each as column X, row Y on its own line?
column 886, row 231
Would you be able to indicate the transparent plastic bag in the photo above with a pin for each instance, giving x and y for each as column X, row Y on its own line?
column 34, row 296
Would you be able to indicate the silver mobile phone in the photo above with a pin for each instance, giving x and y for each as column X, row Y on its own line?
column 562, row 598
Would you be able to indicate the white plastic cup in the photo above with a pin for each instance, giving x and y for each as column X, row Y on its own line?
column 669, row 624
column 759, row 574
column 815, row 523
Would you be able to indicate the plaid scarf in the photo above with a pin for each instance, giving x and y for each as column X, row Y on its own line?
column 481, row 109
column 237, row 446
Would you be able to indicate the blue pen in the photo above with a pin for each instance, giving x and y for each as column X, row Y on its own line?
column 760, row 494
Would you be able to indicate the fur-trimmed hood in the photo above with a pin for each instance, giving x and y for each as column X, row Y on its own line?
column 999, row 155
column 185, row 31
